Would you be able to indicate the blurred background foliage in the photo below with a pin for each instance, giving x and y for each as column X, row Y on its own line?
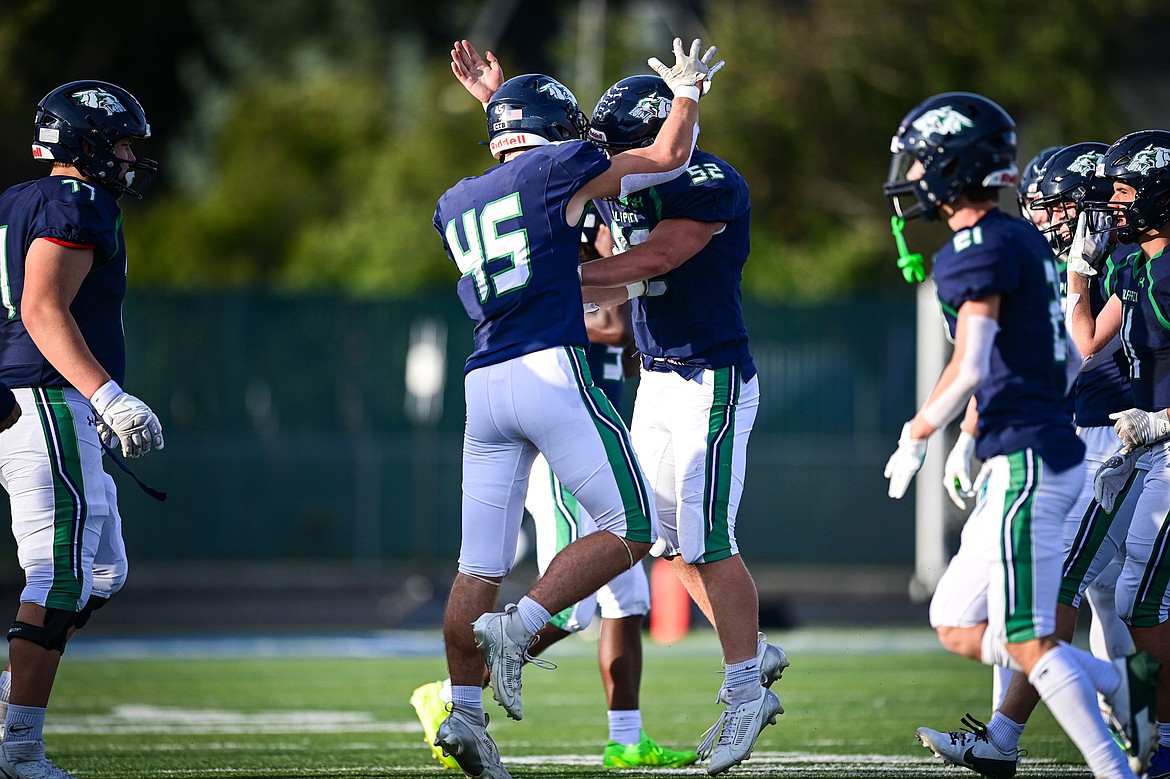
column 303, row 143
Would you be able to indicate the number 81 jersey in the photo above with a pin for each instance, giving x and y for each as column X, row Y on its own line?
column 506, row 231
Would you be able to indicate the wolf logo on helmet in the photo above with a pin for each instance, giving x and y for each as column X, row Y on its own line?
column 1085, row 164
column 99, row 98
column 649, row 108
column 942, row 121
column 1150, row 158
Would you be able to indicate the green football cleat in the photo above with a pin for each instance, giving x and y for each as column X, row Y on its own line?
column 431, row 712
column 645, row 753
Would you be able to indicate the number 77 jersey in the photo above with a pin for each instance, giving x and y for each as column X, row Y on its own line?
column 506, row 232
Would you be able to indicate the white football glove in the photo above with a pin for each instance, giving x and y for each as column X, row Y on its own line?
column 905, row 462
column 1141, row 428
column 1113, row 475
column 131, row 420
column 1088, row 250
column 688, row 70
column 957, row 471
column 107, row 436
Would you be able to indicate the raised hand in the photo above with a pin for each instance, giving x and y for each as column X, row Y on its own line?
column 481, row 76
column 689, row 69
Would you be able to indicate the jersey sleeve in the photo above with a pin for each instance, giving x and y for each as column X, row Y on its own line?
column 580, row 161
column 80, row 217
column 978, row 267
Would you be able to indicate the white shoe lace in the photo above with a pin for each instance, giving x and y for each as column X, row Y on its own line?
column 707, row 745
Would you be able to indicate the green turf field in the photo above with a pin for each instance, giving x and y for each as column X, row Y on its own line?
column 852, row 701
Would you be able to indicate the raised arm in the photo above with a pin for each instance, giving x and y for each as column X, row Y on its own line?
column 1090, row 333
column 633, row 170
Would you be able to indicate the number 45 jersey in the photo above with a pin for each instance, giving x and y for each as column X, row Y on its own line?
column 506, row 231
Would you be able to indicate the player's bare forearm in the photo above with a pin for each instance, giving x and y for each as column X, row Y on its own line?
column 1089, row 333
column 670, row 244
column 605, row 297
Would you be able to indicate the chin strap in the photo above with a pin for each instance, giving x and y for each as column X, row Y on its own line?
column 911, row 265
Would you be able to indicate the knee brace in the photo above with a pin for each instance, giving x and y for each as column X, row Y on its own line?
column 51, row 636
column 92, row 604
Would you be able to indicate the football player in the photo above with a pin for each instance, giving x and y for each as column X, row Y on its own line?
column 1138, row 168
column 999, row 291
column 64, row 355
column 559, row 520
column 1029, row 180
column 513, row 234
column 680, row 249
column 1093, row 534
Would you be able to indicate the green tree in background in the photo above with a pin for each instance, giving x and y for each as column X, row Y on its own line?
column 304, row 144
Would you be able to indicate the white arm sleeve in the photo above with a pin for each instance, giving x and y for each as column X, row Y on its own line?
column 973, row 369
column 638, row 181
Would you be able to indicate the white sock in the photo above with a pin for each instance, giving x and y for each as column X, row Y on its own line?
column 5, row 685
column 1164, row 734
column 742, row 681
column 625, row 727
column 1070, row 697
column 445, row 691
column 1102, row 674
column 467, row 697
column 1004, row 733
column 532, row 615
column 24, row 723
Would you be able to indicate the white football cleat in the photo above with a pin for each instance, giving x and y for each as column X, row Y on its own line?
column 737, row 730
column 462, row 738
column 971, row 749
column 26, row 760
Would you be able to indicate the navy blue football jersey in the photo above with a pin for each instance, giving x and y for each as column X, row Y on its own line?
column 1105, row 390
column 693, row 315
column 1145, row 330
column 506, row 232
column 1021, row 400
column 77, row 214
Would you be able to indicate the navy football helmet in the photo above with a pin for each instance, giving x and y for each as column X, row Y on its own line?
column 1067, row 181
column 80, row 122
column 1141, row 160
column 630, row 113
column 532, row 110
column 1026, row 190
column 962, row 140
